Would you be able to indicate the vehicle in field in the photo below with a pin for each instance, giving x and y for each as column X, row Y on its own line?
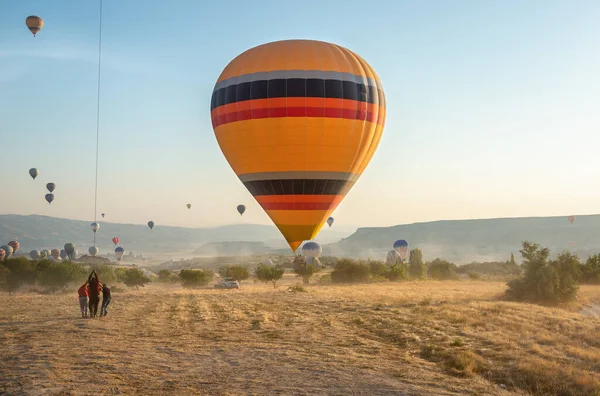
column 228, row 283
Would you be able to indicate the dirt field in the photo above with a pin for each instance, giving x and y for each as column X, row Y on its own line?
column 416, row 338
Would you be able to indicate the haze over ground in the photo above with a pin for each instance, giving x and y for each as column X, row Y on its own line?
column 492, row 107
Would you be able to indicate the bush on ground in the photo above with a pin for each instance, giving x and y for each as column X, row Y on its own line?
column 195, row 278
column 269, row 273
column 237, row 272
column 545, row 281
column 134, row 277
column 350, row 271
column 441, row 270
column 416, row 267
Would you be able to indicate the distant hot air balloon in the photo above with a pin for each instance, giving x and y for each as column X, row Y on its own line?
column 95, row 226
column 102, row 215
column 2, row 254
column 63, row 254
column 34, row 173
column 34, row 254
column 241, row 209
column 571, row 219
column 267, row 262
column 51, row 187
column 8, row 251
column 189, row 206
column 70, row 249
column 277, row 106
column 119, row 252
column 401, row 246
column 55, row 253
column 34, row 23
column 393, row 258
column 49, row 198
column 44, row 254
column 311, row 252
column 151, row 224
column 93, row 250
column 330, row 221
column 115, row 240
column 15, row 245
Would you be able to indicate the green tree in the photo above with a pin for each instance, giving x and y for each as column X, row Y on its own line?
column 237, row 272
column 106, row 273
column 377, row 269
column 135, row 277
column 166, row 276
column 396, row 272
column 544, row 280
column 269, row 273
column 441, row 270
column 195, row 278
column 57, row 276
column 350, row 271
column 416, row 267
column 512, row 260
column 590, row 272
column 20, row 271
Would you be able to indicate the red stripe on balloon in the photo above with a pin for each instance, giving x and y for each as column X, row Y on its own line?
column 280, row 112
column 298, row 205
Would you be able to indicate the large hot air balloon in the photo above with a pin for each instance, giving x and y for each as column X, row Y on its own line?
column 241, row 209
column 2, row 254
column 401, row 246
column 151, row 224
column 34, row 254
column 34, row 24
column 95, row 226
column 93, row 250
column 571, row 219
column 330, row 221
column 49, row 198
column 189, row 206
column 298, row 121
column 33, row 173
column 51, row 187
column 115, row 240
column 8, row 251
column 63, row 254
column 119, row 252
column 15, row 245
column 55, row 253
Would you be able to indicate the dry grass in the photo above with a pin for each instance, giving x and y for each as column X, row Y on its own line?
column 414, row 338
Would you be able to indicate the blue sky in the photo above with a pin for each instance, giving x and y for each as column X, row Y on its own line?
column 492, row 106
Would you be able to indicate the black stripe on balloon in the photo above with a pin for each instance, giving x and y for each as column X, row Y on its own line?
column 299, row 187
column 296, row 88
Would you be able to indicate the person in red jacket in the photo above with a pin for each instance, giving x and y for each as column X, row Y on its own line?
column 83, row 300
column 94, row 289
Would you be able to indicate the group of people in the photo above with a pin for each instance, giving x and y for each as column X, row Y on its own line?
column 91, row 290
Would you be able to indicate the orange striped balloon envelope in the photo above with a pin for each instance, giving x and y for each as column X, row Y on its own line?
column 298, row 121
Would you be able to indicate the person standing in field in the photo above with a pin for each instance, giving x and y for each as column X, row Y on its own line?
column 83, row 300
column 94, row 288
column 105, row 300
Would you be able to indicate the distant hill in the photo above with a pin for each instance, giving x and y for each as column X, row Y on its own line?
column 463, row 241
column 43, row 232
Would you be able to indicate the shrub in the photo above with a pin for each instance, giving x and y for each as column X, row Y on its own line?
column 474, row 275
column 377, row 269
column 590, row 272
column 195, row 278
column 397, row 272
column 237, row 272
column 57, row 276
column 350, row 271
column 166, row 276
column 135, row 277
column 545, row 281
column 416, row 267
column 18, row 271
column 268, row 273
column 441, row 270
